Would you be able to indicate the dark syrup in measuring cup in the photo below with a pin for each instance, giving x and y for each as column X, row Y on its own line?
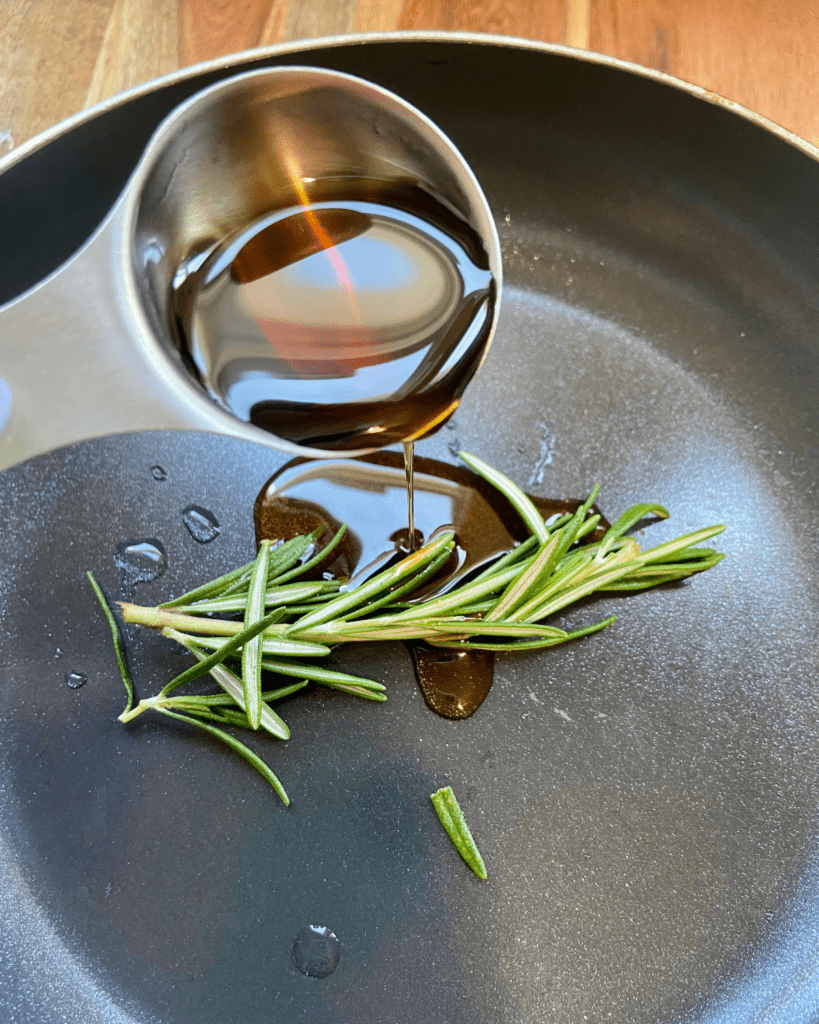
column 368, row 494
column 354, row 320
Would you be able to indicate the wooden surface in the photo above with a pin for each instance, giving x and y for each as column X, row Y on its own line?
column 59, row 56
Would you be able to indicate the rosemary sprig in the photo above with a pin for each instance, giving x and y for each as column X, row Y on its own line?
column 285, row 625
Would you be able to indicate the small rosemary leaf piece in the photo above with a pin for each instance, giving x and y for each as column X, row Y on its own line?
column 284, row 648
column 662, row 551
column 628, row 519
column 523, row 645
column 231, row 645
column 452, row 818
column 393, row 595
column 252, row 650
column 237, row 746
column 216, row 586
column 468, row 593
column 653, row 575
column 357, row 691
column 385, row 580
column 689, row 554
column 274, row 597
column 225, row 700
column 281, row 558
column 286, row 555
column 329, row 677
column 530, row 580
column 584, row 586
column 222, row 715
column 481, row 627
column 576, row 527
column 119, row 646
column 589, row 526
column 513, row 494
column 311, row 562
column 233, row 686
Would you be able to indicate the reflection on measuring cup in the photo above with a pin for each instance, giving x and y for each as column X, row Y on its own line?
column 300, row 258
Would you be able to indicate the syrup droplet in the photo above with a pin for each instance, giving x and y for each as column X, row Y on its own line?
column 316, row 951
column 141, row 560
column 202, row 525
column 76, row 679
column 454, row 683
column 158, row 473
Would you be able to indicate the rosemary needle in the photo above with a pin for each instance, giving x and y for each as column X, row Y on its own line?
column 119, row 646
column 252, row 649
column 250, row 756
column 452, row 818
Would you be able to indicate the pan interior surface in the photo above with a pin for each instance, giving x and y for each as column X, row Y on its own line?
column 645, row 799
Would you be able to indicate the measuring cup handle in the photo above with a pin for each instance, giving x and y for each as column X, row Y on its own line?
column 69, row 366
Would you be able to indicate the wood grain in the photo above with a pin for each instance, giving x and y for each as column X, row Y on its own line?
column 530, row 19
column 58, row 56
column 761, row 54
column 48, row 52
column 141, row 42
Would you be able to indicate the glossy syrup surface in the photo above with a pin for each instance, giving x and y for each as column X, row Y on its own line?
column 369, row 495
column 353, row 320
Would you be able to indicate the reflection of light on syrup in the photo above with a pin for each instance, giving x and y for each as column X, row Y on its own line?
column 322, row 237
column 369, row 495
column 327, row 242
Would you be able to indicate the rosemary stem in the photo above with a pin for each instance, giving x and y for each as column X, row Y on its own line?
column 144, row 705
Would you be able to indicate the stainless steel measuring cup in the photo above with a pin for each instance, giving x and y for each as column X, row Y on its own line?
column 94, row 342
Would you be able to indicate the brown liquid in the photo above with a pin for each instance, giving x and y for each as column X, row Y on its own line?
column 369, row 495
column 353, row 322
column 454, row 683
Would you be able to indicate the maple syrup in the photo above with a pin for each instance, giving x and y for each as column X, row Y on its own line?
column 353, row 321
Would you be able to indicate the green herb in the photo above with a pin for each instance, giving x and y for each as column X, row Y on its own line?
column 452, row 818
column 287, row 625
column 119, row 646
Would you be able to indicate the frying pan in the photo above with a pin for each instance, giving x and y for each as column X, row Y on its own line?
column 645, row 799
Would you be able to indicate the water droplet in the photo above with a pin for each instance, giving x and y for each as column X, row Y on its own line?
column 316, row 951
column 158, row 473
column 76, row 679
column 58, row 653
column 141, row 560
column 202, row 525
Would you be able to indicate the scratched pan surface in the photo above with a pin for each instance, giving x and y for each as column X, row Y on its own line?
column 645, row 799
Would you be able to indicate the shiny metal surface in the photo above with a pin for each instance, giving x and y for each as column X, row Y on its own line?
column 219, row 162
column 646, row 800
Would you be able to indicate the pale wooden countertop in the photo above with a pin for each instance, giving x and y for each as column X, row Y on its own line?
column 60, row 56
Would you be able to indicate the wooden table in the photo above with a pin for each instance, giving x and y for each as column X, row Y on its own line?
column 60, row 56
